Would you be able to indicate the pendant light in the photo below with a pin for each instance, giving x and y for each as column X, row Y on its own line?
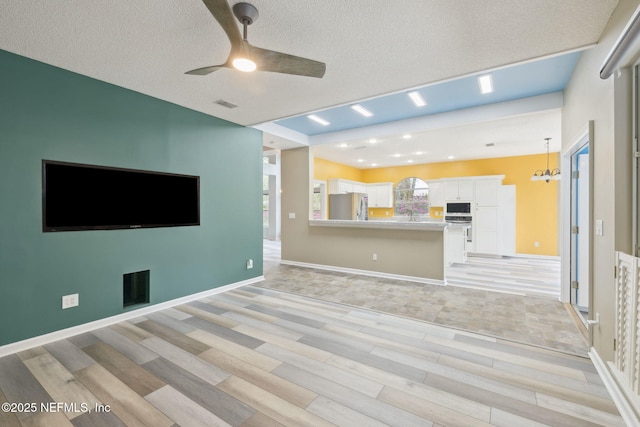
column 547, row 174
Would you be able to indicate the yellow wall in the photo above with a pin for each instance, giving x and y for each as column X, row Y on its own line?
column 325, row 170
column 536, row 202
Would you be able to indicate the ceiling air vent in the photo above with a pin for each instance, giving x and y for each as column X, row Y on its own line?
column 225, row 104
column 361, row 147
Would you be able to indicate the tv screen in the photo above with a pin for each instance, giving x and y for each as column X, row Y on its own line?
column 85, row 197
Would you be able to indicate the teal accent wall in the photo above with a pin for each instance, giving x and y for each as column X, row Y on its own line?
column 50, row 113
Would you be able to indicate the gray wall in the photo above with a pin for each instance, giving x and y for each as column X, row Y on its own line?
column 49, row 113
column 606, row 102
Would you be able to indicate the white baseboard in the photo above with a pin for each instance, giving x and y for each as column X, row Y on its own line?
column 18, row 346
column 628, row 407
column 366, row 272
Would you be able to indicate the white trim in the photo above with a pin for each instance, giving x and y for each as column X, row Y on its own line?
column 584, row 136
column 283, row 132
column 618, row 395
column 18, row 346
column 366, row 272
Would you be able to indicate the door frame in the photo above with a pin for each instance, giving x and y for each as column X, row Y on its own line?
column 585, row 136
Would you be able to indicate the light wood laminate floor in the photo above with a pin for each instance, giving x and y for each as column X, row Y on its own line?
column 259, row 357
column 487, row 297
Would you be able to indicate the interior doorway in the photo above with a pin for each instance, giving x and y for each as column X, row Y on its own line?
column 580, row 230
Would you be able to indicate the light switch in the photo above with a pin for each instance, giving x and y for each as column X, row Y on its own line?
column 599, row 227
column 292, row 215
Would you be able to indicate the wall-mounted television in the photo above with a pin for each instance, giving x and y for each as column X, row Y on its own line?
column 86, row 197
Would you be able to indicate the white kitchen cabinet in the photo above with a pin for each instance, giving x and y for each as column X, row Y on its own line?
column 342, row 186
column 508, row 220
column 488, row 191
column 359, row 187
column 436, row 193
column 458, row 189
column 455, row 239
column 486, row 230
column 380, row 194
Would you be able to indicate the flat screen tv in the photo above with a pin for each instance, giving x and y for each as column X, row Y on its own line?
column 86, row 197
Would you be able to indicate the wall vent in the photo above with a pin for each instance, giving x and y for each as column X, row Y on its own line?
column 135, row 288
column 225, row 104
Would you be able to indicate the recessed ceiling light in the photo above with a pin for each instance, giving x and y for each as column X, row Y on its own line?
column 486, row 83
column 374, row 164
column 360, row 160
column 417, row 98
column 360, row 109
column 409, row 161
column 406, row 136
column 318, row 120
column 451, row 157
column 419, row 153
column 343, row 145
column 397, row 155
column 372, row 140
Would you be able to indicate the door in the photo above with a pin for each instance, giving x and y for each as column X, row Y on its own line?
column 580, row 231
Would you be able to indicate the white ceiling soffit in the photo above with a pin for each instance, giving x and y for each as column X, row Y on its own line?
column 500, row 137
column 371, row 47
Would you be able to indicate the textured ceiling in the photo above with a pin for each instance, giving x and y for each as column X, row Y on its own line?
column 371, row 47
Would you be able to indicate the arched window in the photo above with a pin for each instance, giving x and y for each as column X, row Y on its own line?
column 411, row 198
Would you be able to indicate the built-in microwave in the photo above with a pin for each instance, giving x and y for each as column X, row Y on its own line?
column 458, row 208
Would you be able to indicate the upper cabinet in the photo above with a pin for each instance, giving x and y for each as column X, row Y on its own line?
column 342, row 186
column 380, row 194
column 458, row 189
column 488, row 191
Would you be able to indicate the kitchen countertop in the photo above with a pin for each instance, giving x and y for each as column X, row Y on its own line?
column 435, row 225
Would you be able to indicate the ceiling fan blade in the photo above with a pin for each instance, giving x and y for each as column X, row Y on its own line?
column 277, row 62
column 205, row 70
column 222, row 12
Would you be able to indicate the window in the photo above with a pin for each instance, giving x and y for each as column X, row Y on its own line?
column 318, row 200
column 411, row 198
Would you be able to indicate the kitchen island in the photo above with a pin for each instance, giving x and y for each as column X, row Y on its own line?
column 435, row 225
column 394, row 249
column 403, row 250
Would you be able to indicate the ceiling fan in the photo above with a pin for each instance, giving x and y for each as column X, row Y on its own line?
column 246, row 57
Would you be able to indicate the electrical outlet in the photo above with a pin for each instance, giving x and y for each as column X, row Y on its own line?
column 375, row 257
column 249, row 264
column 69, row 301
column 536, row 244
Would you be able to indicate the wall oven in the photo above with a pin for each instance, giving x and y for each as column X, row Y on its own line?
column 462, row 220
column 459, row 213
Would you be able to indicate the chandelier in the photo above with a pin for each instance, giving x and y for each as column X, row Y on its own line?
column 547, row 174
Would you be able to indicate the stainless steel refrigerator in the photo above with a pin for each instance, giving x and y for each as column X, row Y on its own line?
column 353, row 206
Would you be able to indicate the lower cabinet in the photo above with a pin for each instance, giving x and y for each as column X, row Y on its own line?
column 455, row 240
column 486, row 230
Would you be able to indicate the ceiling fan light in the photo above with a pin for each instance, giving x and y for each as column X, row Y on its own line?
column 244, row 64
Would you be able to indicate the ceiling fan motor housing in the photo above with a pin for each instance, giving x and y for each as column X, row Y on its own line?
column 245, row 12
